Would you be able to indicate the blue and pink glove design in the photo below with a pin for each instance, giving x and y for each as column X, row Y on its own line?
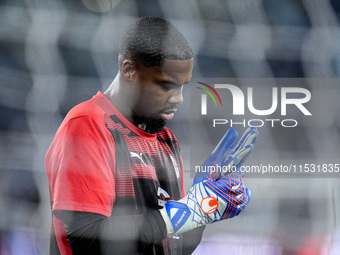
column 215, row 195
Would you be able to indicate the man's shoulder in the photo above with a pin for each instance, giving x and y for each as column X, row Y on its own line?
column 94, row 108
column 86, row 114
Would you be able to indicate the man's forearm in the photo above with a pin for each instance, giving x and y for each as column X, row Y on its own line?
column 89, row 233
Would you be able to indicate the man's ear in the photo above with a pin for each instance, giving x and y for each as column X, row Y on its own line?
column 128, row 69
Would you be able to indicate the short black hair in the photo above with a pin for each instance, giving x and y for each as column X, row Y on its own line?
column 152, row 40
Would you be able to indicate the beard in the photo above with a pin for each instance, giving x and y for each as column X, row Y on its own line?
column 149, row 125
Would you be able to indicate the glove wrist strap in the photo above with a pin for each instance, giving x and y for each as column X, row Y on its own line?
column 169, row 228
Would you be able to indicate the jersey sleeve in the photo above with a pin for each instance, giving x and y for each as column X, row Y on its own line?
column 80, row 167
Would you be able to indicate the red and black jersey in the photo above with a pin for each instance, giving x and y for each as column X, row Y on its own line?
column 144, row 165
column 101, row 163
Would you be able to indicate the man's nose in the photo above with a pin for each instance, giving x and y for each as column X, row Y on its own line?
column 176, row 96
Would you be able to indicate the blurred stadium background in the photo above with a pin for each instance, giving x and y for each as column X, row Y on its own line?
column 55, row 54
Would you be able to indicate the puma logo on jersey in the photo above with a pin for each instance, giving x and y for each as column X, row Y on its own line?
column 136, row 155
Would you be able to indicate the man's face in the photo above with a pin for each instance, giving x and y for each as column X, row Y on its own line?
column 159, row 89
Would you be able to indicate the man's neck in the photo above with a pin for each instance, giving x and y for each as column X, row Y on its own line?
column 116, row 95
column 119, row 98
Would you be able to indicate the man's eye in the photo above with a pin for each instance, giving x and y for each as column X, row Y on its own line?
column 166, row 86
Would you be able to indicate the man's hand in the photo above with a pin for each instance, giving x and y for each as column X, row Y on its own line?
column 227, row 157
column 215, row 195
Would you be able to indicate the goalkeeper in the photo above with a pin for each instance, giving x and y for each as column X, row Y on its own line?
column 115, row 171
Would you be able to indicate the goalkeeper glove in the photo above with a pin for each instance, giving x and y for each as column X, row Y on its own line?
column 214, row 196
column 227, row 157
